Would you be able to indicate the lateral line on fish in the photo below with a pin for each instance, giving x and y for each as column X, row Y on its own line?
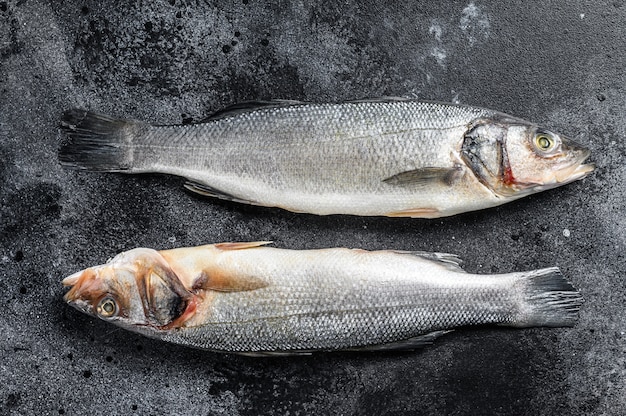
column 332, row 139
column 303, row 314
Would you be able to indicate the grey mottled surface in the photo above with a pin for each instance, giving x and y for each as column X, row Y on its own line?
column 561, row 64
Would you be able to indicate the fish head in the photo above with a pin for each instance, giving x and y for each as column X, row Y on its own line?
column 515, row 158
column 136, row 289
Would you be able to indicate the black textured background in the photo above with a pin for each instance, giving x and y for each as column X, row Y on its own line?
column 561, row 64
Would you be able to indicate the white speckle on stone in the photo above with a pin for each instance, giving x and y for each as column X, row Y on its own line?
column 566, row 233
column 474, row 24
column 436, row 30
column 438, row 51
column 172, row 239
column 582, row 16
column 439, row 54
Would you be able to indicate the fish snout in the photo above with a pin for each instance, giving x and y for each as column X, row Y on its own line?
column 83, row 285
column 72, row 279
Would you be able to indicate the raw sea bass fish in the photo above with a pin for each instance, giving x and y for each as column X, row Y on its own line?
column 393, row 157
column 250, row 299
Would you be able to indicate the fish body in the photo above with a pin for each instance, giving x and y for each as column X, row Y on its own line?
column 251, row 299
column 384, row 157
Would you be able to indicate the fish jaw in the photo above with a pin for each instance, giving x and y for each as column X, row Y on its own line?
column 578, row 171
column 80, row 304
column 575, row 170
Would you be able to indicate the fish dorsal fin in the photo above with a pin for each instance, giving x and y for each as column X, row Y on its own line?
column 426, row 176
column 383, row 99
column 451, row 262
column 249, row 106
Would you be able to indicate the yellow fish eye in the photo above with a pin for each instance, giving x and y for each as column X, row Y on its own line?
column 107, row 307
column 544, row 141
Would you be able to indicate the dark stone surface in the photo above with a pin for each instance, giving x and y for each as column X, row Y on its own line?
column 557, row 63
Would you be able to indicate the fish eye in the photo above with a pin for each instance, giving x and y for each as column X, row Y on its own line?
column 544, row 141
column 107, row 307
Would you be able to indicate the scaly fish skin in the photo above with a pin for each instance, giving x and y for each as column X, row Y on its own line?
column 250, row 299
column 394, row 158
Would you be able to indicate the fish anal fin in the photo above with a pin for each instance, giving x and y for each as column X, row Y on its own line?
column 419, row 341
column 409, row 344
column 426, row 176
column 241, row 246
column 223, row 282
column 206, row 190
column 423, row 212
column 261, row 354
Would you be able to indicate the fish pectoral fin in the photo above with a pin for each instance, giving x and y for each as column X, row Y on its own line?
column 426, row 176
column 419, row 341
column 423, row 212
column 221, row 282
column 206, row 190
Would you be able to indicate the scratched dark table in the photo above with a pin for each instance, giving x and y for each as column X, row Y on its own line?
column 561, row 64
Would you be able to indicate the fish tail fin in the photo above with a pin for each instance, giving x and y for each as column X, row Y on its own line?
column 96, row 142
column 548, row 299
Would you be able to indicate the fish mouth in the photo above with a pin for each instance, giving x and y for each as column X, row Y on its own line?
column 577, row 170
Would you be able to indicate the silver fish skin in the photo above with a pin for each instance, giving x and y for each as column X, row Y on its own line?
column 250, row 299
column 391, row 157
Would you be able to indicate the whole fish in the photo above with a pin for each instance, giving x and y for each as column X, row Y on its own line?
column 250, row 299
column 393, row 157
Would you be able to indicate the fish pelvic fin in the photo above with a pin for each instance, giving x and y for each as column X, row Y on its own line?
column 548, row 300
column 419, row 212
column 96, row 142
column 241, row 246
